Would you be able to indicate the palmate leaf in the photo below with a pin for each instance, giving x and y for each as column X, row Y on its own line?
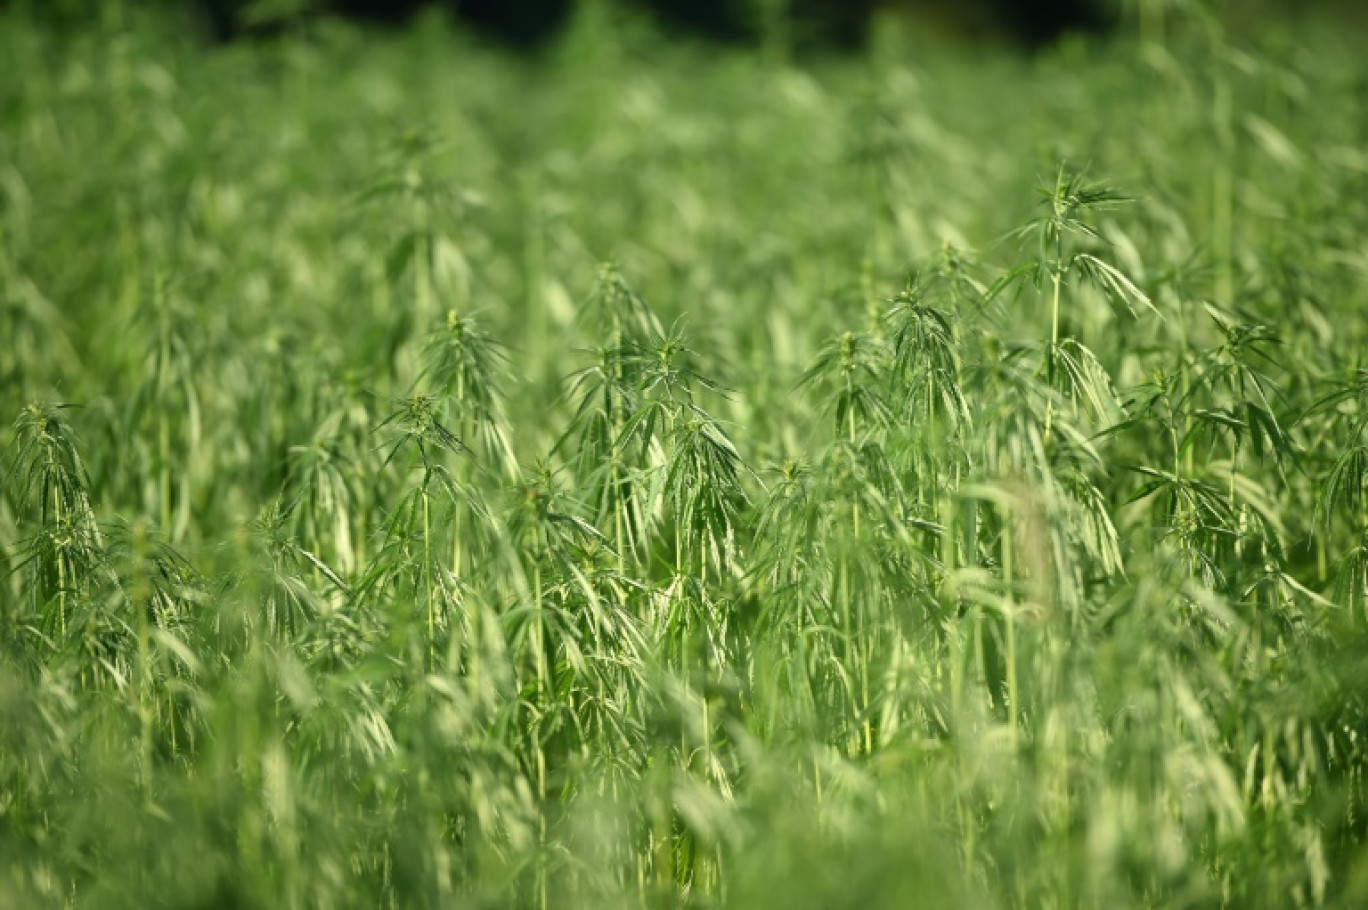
column 922, row 333
column 1188, row 504
column 417, row 426
column 1245, row 338
column 1344, row 486
column 1111, row 281
column 1034, row 272
column 862, row 405
column 607, row 396
column 464, row 359
column 1071, row 198
column 616, row 632
column 50, row 488
column 1347, row 399
column 1077, row 451
column 1010, row 436
column 556, row 622
column 324, row 569
column 1283, row 598
column 952, row 276
column 1089, row 523
column 1257, row 505
column 1211, row 425
column 664, row 367
column 1069, row 201
column 469, row 366
column 616, row 494
column 858, row 473
column 545, row 526
column 1266, row 433
column 1085, row 380
column 926, row 358
column 615, row 304
column 934, row 393
column 641, row 430
column 850, row 371
column 1244, row 422
column 43, row 459
column 149, row 575
column 702, row 484
column 784, row 531
column 1351, row 578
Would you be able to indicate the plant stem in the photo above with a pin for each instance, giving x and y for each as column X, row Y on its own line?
column 1009, row 622
column 427, row 575
column 1055, row 281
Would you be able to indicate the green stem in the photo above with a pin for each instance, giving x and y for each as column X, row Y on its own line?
column 1009, row 618
column 868, row 725
column 947, row 510
column 543, row 688
column 703, row 685
column 1055, row 280
column 59, row 515
column 427, row 575
column 847, row 623
column 144, row 693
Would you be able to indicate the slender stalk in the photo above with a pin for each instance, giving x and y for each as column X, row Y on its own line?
column 1056, row 279
column 1009, row 624
column 543, row 701
column 948, row 604
column 144, row 694
column 430, row 591
column 60, row 517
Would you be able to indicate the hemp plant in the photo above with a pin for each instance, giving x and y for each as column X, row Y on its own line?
column 428, row 209
column 63, row 555
column 608, row 398
column 1065, row 236
column 420, row 445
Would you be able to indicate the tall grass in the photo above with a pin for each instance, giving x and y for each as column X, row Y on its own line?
column 642, row 478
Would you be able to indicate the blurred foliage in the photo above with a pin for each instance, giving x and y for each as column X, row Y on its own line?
column 645, row 475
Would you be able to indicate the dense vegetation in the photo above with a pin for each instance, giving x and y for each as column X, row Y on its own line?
column 643, row 477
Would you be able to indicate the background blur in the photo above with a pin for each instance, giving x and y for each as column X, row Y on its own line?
column 686, row 463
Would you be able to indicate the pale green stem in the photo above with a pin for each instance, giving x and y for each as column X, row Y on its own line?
column 456, row 536
column 59, row 514
column 144, row 691
column 427, row 575
column 543, row 688
column 1009, row 618
column 1055, row 280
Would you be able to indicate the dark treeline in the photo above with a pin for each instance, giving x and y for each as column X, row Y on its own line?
column 841, row 24
column 829, row 23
